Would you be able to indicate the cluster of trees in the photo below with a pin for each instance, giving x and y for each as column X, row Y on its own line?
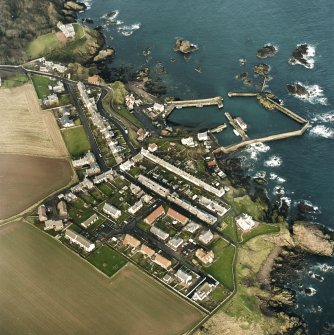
column 21, row 22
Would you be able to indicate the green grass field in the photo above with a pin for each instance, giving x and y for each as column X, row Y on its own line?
column 221, row 269
column 230, row 229
column 260, row 229
column 107, row 260
column 43, row 45
column 76, row 141
column 41, row 85
column 15, row 81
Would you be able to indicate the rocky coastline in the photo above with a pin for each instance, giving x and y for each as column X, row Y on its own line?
column 268, row 50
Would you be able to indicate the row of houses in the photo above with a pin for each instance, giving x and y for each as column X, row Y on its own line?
column 79, row 240
column 88, row 159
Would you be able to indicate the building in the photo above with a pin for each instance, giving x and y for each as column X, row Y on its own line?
column 245, row 222
column 95, row 80
column 203, row 136
column 127, row 165
column 192, row 227
column 162, row 261
column 59, row 87
column 177, row 216
column 151, row 218
column 104, row 177
column 241, row 123
column 158, row 108
column 130, row 101
column 111, row 210
column 145, row 250
column 54, row 224
column 213, row 205
column 66, row 122
column 189, row 142
column 131, row 241
column 212, row 164
column 42, row 216
column 136, row 207
column 93, row 169
column 183, row 277
column 152, row 185
column 51, row 100
column 87, row 223
column 79, row 240
column 175, row 243
column 66, row 29
column 206, row 236
column 167, row 278
column 88, row 159
column 62, row 209
column 152, row 147
column 202, row 292
column 162, row 235
column 205, row 257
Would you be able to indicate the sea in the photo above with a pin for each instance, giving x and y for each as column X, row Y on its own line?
column 225, row 31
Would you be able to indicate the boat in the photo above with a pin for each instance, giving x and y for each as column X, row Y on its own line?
column 242, row 61
column 235, row 132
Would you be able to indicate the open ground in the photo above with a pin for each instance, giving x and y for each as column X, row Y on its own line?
column 24, row 128
column 45, row 288
column 24, row 180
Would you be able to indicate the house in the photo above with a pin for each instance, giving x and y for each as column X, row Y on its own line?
column 158, row 108
column 183, row 277
column 212, row 164
column 95, row 80
column 66, row 122
column 175, row 242
column 86, row 160
column 152, row 147
column 127, row 165
column 130, row 101
column 162, row 261
column 42, row 216
column 245, row 222
column 135, row 189
column 87, row 223
column 177, row 216
column 192, row 227
column 66, row 29
column 93, row 169
column 202, row 292
column 59, row 87
column 154, row 215
column 142, row 134
column 203, row 136
column 108, row 175
column 241, row 123
column 167, row 278
column 114, row 212
column 205, row 257
column 56, row 225
column 206, row 237
column 162, row 235
column 145, row 250
column 79, row 240
column 51, row 100
column 189, row 142
column 136, row 207
column 131, row 241
column 62, row 209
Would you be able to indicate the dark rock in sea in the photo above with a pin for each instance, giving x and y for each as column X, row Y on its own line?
column 99, row 28
column 75, row 6
column 185, row 46
column 88, row 20
column 155, row 88
column 298, row 55
column 260, row 181
column 297, row 89
column 261, row 69
column 267, row 51
column 306, row 208
column 242, row 76
column 248, row 82
column 110, row 14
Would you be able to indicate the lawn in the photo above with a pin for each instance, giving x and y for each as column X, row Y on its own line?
column 76, row 141
column 221, row 269
column 107, row 260
column 41, row 85
column 230, row 230
column 38, row 272
column 260, row 229
column 43, row 44
column 15, row 81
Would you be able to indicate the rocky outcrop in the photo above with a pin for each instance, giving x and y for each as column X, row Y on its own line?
column 75, row 6
column 313, row 239
column 297, row 89
column 185, row 46
column 104, row 54
column 300, row 55
column 267, row 51
column 261, row 69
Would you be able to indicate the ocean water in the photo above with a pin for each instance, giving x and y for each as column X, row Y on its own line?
column 226, row 31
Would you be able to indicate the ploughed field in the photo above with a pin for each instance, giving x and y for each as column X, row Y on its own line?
column 24, row 180
column 24, row 128
column 46, row 289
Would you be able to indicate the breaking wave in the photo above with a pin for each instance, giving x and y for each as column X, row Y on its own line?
column 129, row 30
column 275, row 177
column 273, row 161
column 88, row 3
column 315, row 94
column 322, row 131
column 111, row 17
column 308, row 57
column 256, row 149
column 326, row 117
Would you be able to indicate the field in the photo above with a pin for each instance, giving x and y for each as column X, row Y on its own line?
column 221, row 269
column 107, row 260
column 25, row 180
column 41, row 84
column 46, row 289
column 15, row 81
column 76, row 141
column 24, row 128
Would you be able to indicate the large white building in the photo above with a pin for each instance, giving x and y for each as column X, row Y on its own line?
column 183, row 277
column 79, row 240
column 111, row 210
column 245, row 222
column 66, row 29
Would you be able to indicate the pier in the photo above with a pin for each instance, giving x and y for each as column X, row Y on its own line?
column 171, row 105
column 234, row 147
column 241, row 94
column 218, row 129
column 240, row 131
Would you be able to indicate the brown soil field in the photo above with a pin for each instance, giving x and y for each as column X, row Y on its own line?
column 24, row 180
column 25, row 128
column 46, row 289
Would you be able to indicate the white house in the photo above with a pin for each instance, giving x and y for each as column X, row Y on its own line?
column 111, row 210
column 79, row 240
